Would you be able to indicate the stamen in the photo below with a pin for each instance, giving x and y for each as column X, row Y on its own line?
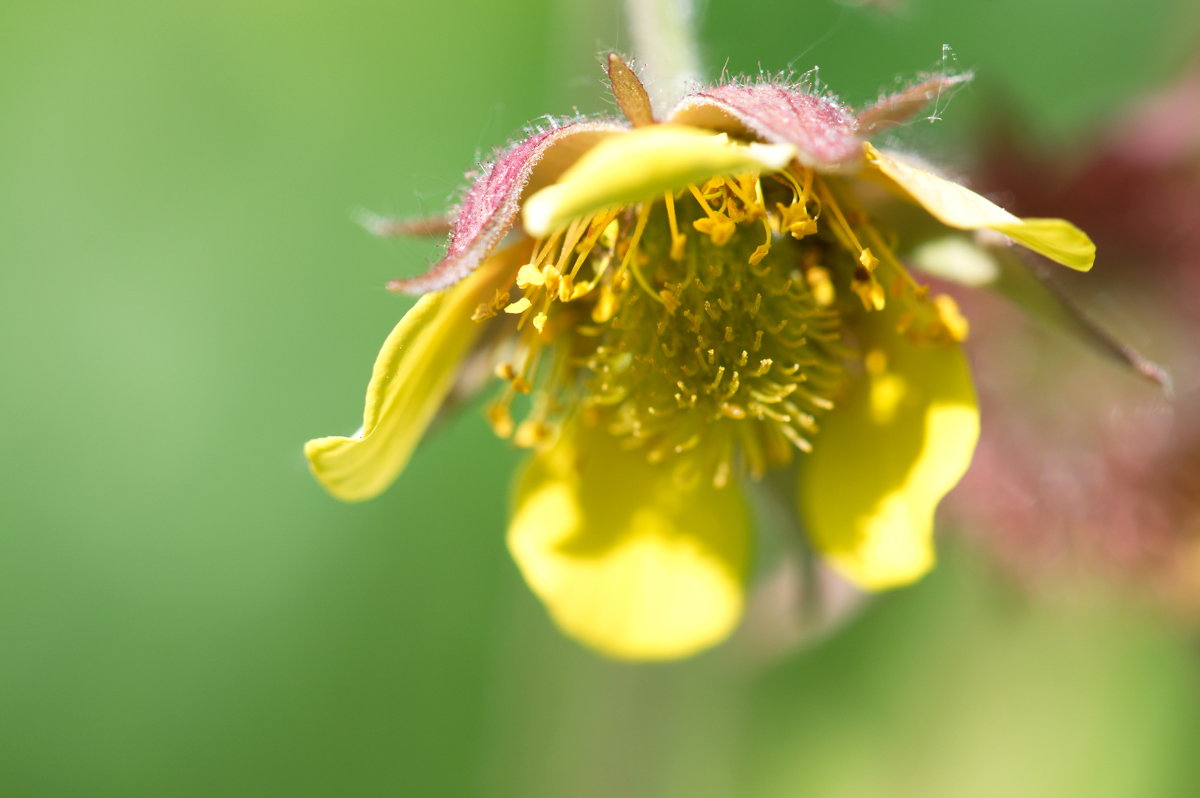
column 744, row 192
column 543, row 247
column 678, row 240
column 600, row 227
column 639, row 228
column 863, row 282
column 764, row 248
column 700, row 198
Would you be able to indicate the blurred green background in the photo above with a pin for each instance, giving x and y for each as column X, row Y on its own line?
column 183, row 612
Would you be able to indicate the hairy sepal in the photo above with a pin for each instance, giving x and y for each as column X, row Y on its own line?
column 902, row 106
column 822, row 131
column 490, row 207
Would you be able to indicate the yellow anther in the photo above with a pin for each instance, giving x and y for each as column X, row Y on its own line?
column 715, row 187
column 795, row 220
column 749, row 193
column 605, row 306
column 579, row 289
column 951, row 317
column 500, row 419
column 938, row 321
column 870, row 292
column 566, row 288
column 864, row 283
column 719, row 227
column 551, row 277
column 539, row 321
column 487, row 310
column 529, row 275
column 821, row 285
column 520, row 306
column 533, row 433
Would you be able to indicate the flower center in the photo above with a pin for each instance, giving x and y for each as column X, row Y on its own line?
column 731, row 356
column 704, row 322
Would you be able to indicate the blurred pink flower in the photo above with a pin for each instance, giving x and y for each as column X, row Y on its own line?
column 1100, row 476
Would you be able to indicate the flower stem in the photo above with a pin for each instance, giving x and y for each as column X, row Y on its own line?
column 664, row 43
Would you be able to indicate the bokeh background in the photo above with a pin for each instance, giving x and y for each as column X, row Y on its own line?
column 186, row 299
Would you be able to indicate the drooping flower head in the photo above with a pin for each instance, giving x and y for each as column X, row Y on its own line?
column 674, row 306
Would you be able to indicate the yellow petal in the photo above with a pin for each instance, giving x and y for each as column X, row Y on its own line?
column 959, row 207
column 413, row 373
column 899, row 440
column 625, row 559
column 642, row 164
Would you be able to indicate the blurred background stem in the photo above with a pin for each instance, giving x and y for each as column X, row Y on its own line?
column 664, row 43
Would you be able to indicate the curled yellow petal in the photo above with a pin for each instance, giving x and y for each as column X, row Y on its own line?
column 959, row 207
column 626, row 559
column 900, row 439
column 642, row 164
column 412, row 375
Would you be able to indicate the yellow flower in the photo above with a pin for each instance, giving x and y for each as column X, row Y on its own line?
column 689, row 304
